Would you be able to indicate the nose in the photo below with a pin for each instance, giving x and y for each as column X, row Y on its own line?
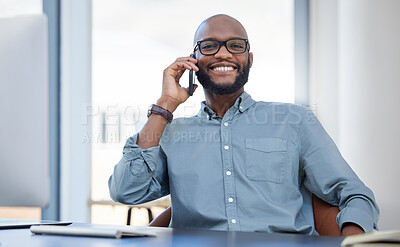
column 223, row 53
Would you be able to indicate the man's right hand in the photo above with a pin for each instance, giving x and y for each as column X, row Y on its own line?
column 173, row 94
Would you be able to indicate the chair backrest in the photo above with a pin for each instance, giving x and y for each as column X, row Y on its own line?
column 324, row 218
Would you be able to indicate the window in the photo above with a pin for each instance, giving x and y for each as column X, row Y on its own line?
column 20, row 7
column 134, row 41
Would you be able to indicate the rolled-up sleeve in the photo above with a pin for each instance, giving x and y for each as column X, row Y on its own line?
column 329, row 177
column 140, row 176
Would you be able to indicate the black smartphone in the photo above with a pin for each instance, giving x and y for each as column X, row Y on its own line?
column 191, row 79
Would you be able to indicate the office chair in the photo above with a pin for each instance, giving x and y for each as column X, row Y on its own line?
column 129, row 217
column 324, row 218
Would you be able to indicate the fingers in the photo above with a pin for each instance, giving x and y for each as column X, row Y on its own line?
column 185, row 64
column 188, row 59
column 177, row 68
column 172, row 74
column 179, row 74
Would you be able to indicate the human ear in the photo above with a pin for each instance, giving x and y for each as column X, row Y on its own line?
column 250, row 59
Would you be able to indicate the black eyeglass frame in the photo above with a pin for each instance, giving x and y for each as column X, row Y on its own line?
column 197, row 46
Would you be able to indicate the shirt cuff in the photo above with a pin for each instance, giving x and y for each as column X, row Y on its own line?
column 356, row 216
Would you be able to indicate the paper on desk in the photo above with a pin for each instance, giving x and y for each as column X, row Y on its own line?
column 95, row 231
column 382, row 238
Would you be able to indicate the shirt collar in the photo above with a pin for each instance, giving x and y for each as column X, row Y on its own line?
column 242, row 103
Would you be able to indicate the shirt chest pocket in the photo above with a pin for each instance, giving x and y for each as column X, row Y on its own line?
column 266, row 159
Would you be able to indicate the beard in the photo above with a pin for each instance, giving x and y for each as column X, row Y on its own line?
column 224, row 88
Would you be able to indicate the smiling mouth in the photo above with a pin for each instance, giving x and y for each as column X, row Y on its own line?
column 223, row 68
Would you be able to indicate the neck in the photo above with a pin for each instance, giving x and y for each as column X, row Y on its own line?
column 220, row 104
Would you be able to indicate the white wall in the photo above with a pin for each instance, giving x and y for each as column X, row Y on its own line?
column 355, row 87
column 324, row 63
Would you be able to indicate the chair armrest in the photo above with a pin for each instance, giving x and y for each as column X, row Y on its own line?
column 163, row 219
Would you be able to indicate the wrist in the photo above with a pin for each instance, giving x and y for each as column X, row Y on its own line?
column 160, row 111
column 167, row 103
column 351, row 229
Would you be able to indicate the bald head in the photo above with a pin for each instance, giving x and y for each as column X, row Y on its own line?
column 219, row 25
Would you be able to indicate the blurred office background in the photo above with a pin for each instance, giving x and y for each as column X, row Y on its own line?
column 340, row 58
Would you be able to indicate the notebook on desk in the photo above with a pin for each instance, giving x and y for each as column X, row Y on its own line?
column 16, row 223
column 373, row 239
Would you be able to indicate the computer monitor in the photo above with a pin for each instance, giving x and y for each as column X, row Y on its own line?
column 24, row 112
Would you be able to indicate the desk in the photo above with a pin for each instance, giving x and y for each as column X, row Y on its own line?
column 184, row 238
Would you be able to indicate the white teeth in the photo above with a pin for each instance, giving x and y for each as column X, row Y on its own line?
column 223, row 69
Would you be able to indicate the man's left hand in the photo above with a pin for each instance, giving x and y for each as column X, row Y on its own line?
column 351, row 229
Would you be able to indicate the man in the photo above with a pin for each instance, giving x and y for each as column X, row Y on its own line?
column 238, row 164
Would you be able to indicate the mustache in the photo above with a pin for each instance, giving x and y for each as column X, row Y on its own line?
column 209, row 64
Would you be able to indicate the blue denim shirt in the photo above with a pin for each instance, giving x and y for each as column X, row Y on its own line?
column 252, row 170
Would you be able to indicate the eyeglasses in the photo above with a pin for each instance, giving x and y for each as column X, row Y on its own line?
column 212, row 46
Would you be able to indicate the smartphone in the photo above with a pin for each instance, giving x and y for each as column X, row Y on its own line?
column 191, row 79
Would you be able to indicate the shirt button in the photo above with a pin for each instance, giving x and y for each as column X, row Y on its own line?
column 233, row 221
column 226, row 124
column 230, row 199
column 228, row 173
column 226, row 147
column 241, row 107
